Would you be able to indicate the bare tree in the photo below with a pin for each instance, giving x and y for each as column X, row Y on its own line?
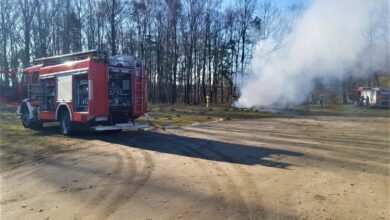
column 28, row 8
column 41, row 28
column 113, row 11
column 191, row 49
column 246, row 11
column 7, row 23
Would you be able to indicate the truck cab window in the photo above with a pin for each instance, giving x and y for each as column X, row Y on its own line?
column 24, row 83
column 24, row 80
column 35, row 77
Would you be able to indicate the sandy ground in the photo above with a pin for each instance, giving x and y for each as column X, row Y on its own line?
column 276, row 168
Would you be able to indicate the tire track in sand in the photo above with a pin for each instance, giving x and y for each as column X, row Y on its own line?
column 253, row 205
column 105, row 184
column 180, row 149
column 194, row 150
column 130, row 180
column 131, row 185
column 255, row 209
column 24, row 170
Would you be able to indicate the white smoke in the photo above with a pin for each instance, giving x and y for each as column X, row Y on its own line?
column 332, row 39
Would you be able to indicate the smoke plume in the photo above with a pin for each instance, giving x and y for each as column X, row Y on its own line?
column 332, row 39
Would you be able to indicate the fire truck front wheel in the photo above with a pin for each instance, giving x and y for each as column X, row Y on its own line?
column 26, row 122
column 66, row 126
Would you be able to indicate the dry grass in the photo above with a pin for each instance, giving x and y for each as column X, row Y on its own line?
column 19, row 145
column 339, row 110
column 179, row 115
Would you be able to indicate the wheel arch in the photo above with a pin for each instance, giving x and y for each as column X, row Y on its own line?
column 63, row 107
column 26, row 106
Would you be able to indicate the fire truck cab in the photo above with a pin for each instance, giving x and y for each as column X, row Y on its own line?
column 84, row 89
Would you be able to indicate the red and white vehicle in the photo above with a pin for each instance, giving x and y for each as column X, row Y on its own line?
column 84, row 89
column 373, row 97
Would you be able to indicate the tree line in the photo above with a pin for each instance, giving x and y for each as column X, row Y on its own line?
column 191, row 48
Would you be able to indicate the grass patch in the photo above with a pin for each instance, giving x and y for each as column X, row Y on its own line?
column 340, row 110
column 180, row 115
column 18, row 145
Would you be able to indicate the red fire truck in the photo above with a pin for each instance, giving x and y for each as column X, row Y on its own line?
column 84, row 89
column 373, row 97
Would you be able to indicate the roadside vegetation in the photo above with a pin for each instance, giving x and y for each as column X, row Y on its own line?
column 179, row 115
column 339, row 110
column 19, row 145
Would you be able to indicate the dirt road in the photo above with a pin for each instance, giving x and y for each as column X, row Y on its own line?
column 276, row 168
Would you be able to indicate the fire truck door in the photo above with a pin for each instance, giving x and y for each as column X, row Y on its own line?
column 64, row 88
column 98, row 91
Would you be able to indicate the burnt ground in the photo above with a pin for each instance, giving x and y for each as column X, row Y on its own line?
column 313, row 167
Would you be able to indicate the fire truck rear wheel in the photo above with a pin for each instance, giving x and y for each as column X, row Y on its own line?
column 66, row 126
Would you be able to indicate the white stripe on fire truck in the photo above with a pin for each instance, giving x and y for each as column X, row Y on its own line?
column 72, row 72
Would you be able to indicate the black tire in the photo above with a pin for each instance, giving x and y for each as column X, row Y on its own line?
column 66, row 127
column 25, row 118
